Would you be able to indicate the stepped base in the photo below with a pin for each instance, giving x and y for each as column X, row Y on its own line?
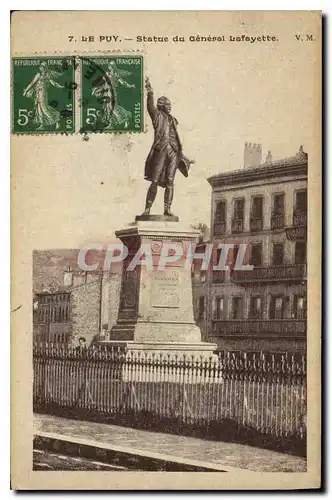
column 156, row 332
column 172, row 354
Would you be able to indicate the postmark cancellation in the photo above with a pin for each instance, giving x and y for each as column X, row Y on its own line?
column 112, row 94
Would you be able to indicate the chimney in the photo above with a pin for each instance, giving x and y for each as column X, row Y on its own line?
column 302, row 154
column 268, row 157
column 252, row 155
column 68, row 277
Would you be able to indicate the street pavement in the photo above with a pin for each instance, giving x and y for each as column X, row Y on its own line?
column 222, row 454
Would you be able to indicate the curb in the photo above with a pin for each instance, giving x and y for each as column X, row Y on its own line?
column 130, row 458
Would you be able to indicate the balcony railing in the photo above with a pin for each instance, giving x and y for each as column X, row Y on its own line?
column 281, row 327
column 277, row 221
column 271, row 273
column 219, row 228
column 237, row 225
column 300, row 219
column 218, row 276
column 256, row 224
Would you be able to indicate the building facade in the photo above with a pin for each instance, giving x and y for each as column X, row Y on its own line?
column 85, row 306
column 263, row 205
column 52, row 317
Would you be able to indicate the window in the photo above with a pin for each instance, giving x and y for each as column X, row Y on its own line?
column 278, row 254
column 201, row 307
column 300, row 208
column 220, row 218
column 277, row 307
column 257, row 207
column 256, row 216
column 300, row 307
column 233, row 255
column 239, row 209
column 300, row 252
column 67, row 313
column 256, row 255
column 279, row 204
column 202, row 276
column 217, row 255
column 278, row 211
column 220, row 212
column 301, row 201
column 45, row 314
column 219, row 308
column 256, row 307
column 237, row 308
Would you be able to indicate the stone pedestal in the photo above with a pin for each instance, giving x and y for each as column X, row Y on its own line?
column 156, row 306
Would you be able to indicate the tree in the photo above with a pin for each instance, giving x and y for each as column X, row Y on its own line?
column 203, row 229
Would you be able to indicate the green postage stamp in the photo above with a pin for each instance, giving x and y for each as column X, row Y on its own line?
column 112, row 94
column 43, row 95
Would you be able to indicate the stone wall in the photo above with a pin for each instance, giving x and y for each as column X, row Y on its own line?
column 114, row 287
column 85, row 310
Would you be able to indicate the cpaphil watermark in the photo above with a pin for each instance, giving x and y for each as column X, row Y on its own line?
column 216, row 256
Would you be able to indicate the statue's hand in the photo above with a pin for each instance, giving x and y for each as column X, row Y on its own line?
column 148, row 85
column 192, row 162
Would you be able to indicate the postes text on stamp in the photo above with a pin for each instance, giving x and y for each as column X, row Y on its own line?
column 43, row 95
column 112, row 94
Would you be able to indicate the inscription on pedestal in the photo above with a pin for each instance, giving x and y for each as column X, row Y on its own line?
column 165, row 290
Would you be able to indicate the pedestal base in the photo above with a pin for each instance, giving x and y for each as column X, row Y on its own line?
column 199, row 351
column 156, row 317
column 157, row 218
column 156, row 362
column 143, row 332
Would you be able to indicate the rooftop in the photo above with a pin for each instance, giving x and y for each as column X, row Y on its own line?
column 268, row 169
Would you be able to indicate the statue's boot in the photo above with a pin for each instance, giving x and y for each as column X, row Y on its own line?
column 150, row 197
column 168, row 198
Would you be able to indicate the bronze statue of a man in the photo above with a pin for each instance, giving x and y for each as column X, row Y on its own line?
column 166, row 155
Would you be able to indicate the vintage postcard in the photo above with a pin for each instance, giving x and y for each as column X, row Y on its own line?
column 166, row 250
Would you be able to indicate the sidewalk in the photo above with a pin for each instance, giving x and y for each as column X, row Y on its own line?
column 221, row 454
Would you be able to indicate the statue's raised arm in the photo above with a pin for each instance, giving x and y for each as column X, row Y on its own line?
column 150, row 100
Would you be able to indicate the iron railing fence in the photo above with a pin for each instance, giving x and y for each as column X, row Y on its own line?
column 265, row 393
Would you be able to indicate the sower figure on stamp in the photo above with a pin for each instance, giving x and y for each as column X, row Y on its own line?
column 166, row 155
